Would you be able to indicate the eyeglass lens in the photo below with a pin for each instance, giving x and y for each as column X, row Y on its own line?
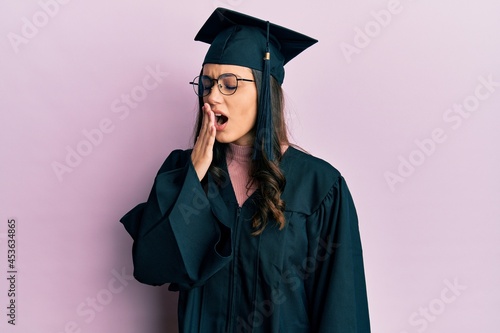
column 227, row 84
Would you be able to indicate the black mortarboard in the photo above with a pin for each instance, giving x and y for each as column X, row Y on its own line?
column 239, row 39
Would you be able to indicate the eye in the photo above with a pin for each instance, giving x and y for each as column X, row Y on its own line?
column 229, row 82
column 206, row 83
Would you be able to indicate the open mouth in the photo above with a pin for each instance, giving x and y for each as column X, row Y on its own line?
column 220, row 119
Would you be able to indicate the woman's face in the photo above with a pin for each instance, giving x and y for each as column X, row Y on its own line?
column 235, row 115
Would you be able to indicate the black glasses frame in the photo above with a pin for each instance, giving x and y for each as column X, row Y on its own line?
column 196, row 84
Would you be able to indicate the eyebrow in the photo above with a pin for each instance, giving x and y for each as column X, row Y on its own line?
column 213, row 77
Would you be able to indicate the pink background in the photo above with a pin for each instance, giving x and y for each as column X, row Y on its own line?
column 384, row 77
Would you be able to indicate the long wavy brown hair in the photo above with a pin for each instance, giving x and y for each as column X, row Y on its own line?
column 263, row 172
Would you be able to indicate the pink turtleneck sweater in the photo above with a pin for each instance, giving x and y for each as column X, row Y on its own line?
column 238, row 160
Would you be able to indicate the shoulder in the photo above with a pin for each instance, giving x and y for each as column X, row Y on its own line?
column 308, row 165
column 309, row 179
column 176, row 159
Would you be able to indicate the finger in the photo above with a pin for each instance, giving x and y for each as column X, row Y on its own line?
column 212, row 129
column 207, row 130
column 210, row 117
column 208, row 112
column 205, row 120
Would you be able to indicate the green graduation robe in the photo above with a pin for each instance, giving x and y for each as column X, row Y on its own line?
column 306, row 278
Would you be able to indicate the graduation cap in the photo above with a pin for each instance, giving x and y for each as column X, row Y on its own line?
column 239, row 39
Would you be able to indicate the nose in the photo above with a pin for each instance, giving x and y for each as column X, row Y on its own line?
column 215, row 96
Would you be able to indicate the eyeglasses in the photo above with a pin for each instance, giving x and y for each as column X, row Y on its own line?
column 227, row 84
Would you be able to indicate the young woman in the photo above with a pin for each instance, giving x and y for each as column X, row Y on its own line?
column 256, row 235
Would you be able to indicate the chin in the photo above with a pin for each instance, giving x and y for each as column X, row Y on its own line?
column 225, row 137
column 241, row 139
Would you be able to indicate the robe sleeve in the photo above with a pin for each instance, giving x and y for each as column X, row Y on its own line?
column 177, row 237
column 336, row 289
